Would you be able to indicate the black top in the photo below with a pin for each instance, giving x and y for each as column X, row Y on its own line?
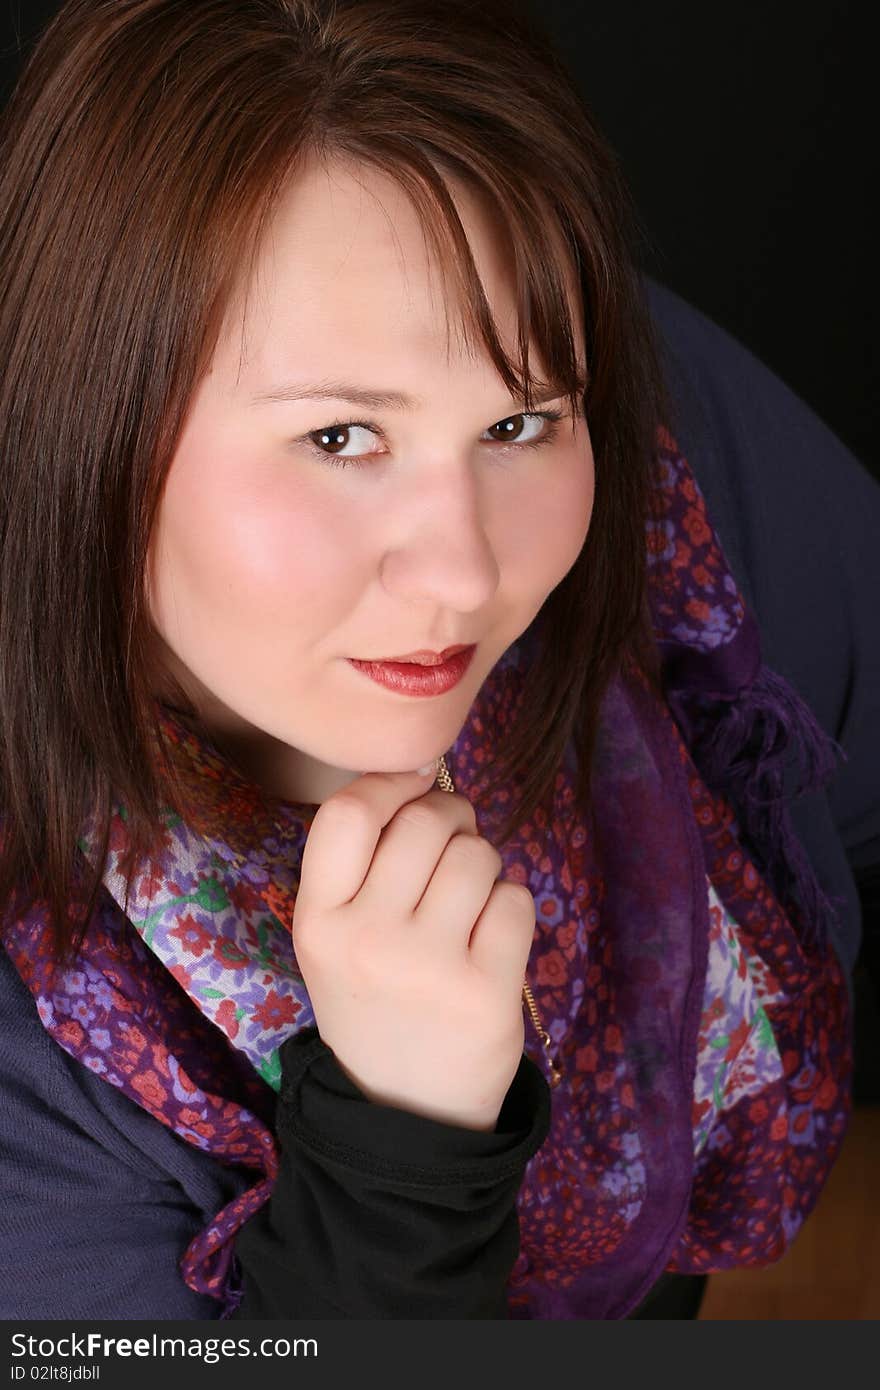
column 381, row 1213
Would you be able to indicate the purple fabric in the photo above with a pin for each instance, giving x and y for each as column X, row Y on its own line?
column 726, row 703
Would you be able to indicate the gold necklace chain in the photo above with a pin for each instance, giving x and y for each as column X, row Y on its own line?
column 445, row 783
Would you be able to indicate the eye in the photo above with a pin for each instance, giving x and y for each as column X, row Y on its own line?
column 337, row 436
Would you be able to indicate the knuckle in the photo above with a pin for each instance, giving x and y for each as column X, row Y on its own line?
column 307, row 940
column 345, row 807
column 464, row 806
column 417, row 813
column 474, row 850
column 520, row 896
column 492, row 856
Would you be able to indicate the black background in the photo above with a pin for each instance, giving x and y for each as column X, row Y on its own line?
column 747, row 134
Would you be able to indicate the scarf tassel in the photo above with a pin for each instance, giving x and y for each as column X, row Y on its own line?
column 741, row 748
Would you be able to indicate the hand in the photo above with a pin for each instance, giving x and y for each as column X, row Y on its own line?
column 412, row 953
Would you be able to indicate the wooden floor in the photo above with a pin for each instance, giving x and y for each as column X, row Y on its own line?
column 832, row 1270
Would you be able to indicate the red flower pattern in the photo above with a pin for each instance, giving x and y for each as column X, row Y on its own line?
column 275, row 1011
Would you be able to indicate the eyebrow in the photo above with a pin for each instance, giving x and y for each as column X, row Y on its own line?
column 374, row 400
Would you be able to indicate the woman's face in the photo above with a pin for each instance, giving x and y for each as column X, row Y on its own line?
column 270, row 564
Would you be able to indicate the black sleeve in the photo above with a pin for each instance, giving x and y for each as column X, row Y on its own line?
column 381, row 1213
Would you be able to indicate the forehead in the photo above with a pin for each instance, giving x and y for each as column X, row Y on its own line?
column 344, row 264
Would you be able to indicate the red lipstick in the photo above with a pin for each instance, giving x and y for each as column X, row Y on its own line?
column 419, row 676
column 425, row 658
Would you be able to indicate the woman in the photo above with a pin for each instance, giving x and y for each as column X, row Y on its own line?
column 540, row 1040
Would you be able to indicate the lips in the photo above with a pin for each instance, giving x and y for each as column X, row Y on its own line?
column 416, row 679
column 426, row 658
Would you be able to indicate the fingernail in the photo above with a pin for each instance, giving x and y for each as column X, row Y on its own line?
column 428, row 768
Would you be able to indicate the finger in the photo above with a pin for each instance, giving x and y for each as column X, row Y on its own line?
column 344, row 834
column 458, row 891
column 409, row 851
column 505, row 930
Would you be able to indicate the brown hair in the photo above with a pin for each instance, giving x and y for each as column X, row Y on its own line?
column 141, row 153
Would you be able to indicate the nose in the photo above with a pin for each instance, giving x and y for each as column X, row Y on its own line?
column 442, row 552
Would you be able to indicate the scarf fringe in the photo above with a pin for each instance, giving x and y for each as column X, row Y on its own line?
column 741, row 748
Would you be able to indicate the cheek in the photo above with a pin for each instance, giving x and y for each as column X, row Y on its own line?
column 250, row 557
column 558, row 517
